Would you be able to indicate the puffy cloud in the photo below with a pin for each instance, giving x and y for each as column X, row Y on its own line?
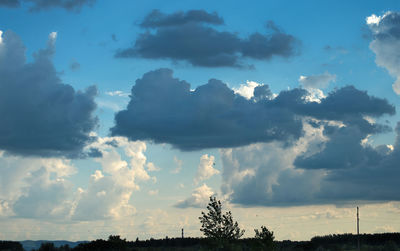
column 165, row 110
column 247, row 90
column 328, row 165
column 32, row 187
column 189, row 36
column 206, row 169
column 38, row 5
column 36, row 187
column 111, row 188
column 45, row 197
column 44, row 116
column 319, row 81
column 386, row 43
column 199, row 198
column 105, row 196
column 263, row 174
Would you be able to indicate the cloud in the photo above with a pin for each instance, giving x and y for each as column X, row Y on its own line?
column 164, row 109
column 158, row 19
column 110, row 189
column 190, row 37
column 247, row 90
column 39, row 5
column 10, row 3
column 117, row 93
column 40, row 188
column 385, row 30
column 199, row 198
column 330, row 164
column 263, row 174
column 45, row 117
column 317, row 81
column 45, row 197
column 206, row 169
column 36, row 187
column 178, row 165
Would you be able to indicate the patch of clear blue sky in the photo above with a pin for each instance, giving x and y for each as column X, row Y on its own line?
column 86, row 38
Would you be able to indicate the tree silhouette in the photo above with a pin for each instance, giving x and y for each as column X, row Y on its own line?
column 266, row 238
column 219, row 226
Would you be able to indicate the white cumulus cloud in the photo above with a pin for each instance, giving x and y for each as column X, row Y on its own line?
column 206, row 169
column 386, row 43
column 199, row 198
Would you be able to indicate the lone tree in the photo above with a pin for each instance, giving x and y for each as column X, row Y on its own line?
column 219, row 226
column 265, row 237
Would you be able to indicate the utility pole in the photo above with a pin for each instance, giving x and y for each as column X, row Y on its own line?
column 182, row 233
column 358, row 231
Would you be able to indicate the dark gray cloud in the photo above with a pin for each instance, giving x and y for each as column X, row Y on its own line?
column 38, row 5
column 163, row 109
column 158, row 19
column 343, row 150
column 10, row 3
column 42, row 115
column 189, row 36
column 356, row 171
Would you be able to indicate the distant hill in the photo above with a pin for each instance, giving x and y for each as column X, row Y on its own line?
column 29, row 245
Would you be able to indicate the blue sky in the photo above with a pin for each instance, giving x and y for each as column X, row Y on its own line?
column 283, row 109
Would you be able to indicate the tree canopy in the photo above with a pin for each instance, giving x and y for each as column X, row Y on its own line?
column 216, row 225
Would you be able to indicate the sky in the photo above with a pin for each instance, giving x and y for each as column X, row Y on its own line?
column 124, row 117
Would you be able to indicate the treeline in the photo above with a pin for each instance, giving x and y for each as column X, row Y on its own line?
column 369, row 242
column 366, row 239
column 11, row 245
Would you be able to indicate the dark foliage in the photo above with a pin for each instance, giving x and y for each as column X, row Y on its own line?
column 265, row 237
column 369, row 242
column 11, row 246
column 351, row 239
column 218, row 226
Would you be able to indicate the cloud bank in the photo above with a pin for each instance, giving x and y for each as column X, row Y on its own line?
column 45, row 117
column 42, row 188
column 190, row 37
column 331, row 164
column 164, row 109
